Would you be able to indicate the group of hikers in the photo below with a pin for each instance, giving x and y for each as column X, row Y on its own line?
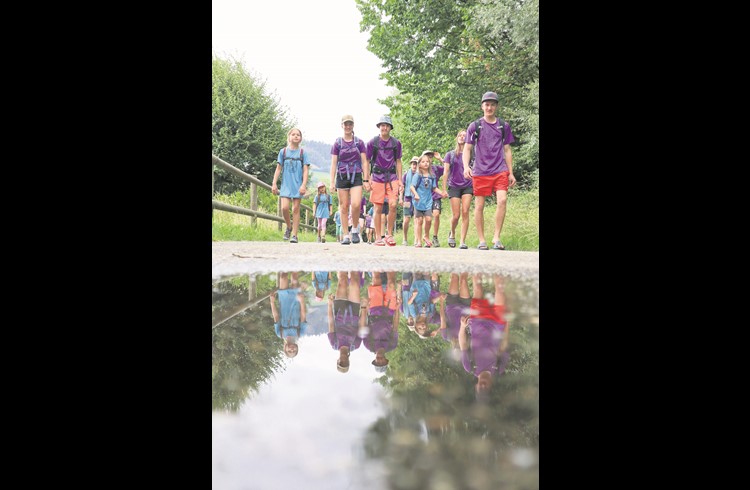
column 480, row 165
column 364, row 308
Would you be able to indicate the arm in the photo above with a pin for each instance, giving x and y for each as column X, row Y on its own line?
column 330, row 313
column 509, row 161
column 363, row 313
column 466, row 157
column 334, row 165
column 365, row 171
column 274, row 311
column 315, row 205
column 398, row 174
column 445, row 177
column 443, row 323
column 302, row 308
column 414, row 194
column 504, row 343
column 305, row 173
column 463, row 341
column 274, row 189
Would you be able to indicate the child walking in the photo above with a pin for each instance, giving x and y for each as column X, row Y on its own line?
column 422, row 186
column 322, row 207
column 293, row 165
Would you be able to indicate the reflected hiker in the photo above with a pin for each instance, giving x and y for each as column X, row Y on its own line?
column 349, row 170
column 383, row 310
column 493, row 166
column 294, row 167
column 457, row 304
column 460, row 190
column 483, row 336
column 384, row 154
column 422, row 299
column 291, row 322
column 345, row 317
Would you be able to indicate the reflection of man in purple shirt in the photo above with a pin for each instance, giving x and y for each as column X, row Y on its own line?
column 383, row 321
column 483, row 336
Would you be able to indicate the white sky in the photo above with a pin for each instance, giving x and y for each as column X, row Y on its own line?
column 312, row 56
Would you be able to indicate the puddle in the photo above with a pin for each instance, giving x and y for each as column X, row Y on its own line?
column 374, row 384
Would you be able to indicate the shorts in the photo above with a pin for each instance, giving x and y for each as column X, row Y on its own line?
column 343, row 183
column 408, row 207
column 378, row 297
column 454, row 299
column 422, row 214
column 379, row 190
column 437, row 204
column 486, row 185
column 457, row 192
column 481, row 308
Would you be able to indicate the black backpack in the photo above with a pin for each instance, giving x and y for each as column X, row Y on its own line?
column 301, row 153
column 478, row 126
column 375, row 147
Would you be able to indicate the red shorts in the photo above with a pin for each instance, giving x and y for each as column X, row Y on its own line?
column 481, row 308
column 486, row 185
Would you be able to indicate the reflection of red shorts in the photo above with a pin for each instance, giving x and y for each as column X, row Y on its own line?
column 481, row 308
column 379, row 298
column 486, row 185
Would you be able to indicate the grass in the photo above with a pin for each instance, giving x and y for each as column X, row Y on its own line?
column 520, row 229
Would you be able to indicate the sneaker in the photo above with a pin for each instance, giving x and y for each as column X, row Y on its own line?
column 364, row 237
column 293, row 239
column 435, row 242
column 345, row 241
column 323, row 240
column 318, row 239
column 287, row 233
column 355, row 237
column 404, row 243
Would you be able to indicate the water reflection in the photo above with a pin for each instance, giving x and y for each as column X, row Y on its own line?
column 439, row 397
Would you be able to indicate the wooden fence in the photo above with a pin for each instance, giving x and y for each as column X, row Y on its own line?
column 253, row 211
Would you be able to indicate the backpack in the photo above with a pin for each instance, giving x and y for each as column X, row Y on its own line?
column 377, row 169
column 301, row 154
column 350, row 172
column 477, row 131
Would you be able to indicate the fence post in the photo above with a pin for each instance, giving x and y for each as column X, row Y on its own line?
column 306, row 217
column 253, row 201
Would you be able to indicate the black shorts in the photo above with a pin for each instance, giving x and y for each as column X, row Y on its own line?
column 343, row 183
column 454, row 192
column 408, row 209
column 437, row 204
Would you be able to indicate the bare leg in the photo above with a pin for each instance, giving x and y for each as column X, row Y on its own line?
column 295, row 212
column 285, row 212
column 465, row 207
column 502, row 200
column 479, row 217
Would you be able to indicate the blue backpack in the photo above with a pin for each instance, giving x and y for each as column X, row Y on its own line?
column 350, row 169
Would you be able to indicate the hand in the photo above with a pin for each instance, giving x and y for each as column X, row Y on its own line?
column 415, row 197
column 511, row 180
column 445, row 194
column 437, row 155
column 467, row 173
column 274, row 189
column 302, row 190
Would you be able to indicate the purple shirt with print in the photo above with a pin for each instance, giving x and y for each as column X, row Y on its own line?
column 490, row 152
column 386, row 157
column 456, row 179
column 486, row 336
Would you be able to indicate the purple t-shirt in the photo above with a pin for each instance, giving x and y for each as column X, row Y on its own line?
column 386, row 157
column 456, row 179
column 490, row 152
column 349, row 152
column 346, row 324
column 453, row 314
column 382, row 333
column 486, row 336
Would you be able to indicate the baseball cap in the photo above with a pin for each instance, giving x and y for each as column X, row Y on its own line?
column 347, row 117
column 490, row 96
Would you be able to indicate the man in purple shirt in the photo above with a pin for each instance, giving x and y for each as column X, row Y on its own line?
column 493, row 166
column 483, row 336
column 384, row 154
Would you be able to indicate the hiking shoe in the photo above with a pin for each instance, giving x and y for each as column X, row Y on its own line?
column 435, row 242
column 364, row 237
column 293, row 239
column 318, row 239
column 404, row 243
column 355, row 237
column 345, row 241
column 287, row 233
column 323, row 240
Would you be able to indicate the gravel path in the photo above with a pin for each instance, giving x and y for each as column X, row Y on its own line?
column 233, row 258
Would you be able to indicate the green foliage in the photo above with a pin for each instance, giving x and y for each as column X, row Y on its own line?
column 248, row 126
column 441, row 63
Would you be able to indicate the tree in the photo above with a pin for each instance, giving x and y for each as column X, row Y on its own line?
column 441, row 55
column 248, row 125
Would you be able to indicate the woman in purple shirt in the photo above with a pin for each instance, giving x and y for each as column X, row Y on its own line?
column 460, row 190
